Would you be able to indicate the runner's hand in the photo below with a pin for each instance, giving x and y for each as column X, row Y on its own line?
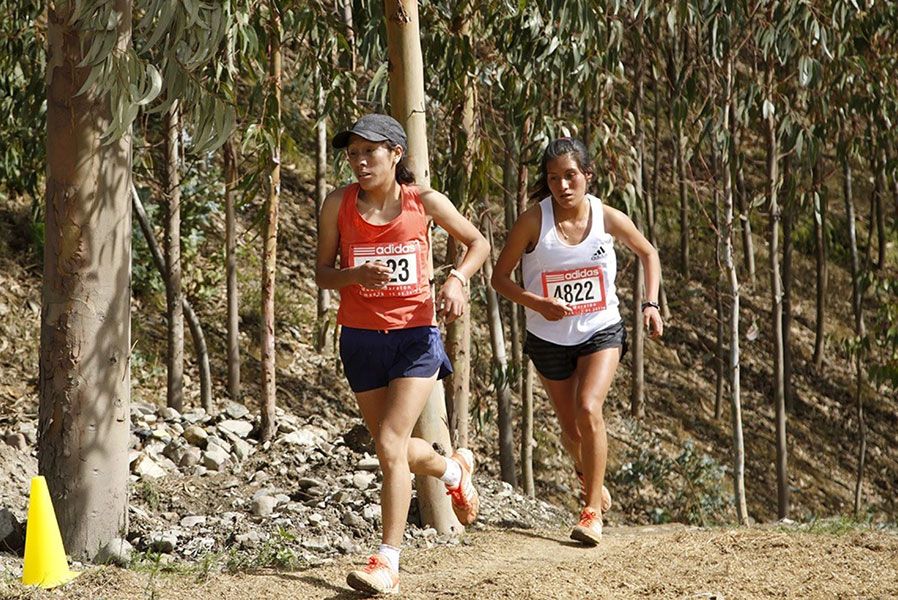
column 651, row 319
column 373, row 275
column 554, row 309
column 451, row 300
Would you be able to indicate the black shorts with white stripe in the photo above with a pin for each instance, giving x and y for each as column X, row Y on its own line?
column 557, row 362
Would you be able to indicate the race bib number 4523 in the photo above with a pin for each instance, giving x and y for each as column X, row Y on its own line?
column 581, row 289
column 403, row 260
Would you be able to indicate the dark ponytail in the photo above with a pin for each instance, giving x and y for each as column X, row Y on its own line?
column 565, row 146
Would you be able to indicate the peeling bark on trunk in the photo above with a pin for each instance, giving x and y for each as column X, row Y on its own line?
column 527, row 430
column 322, row 320
column 820, row 206
column 269, row 255
column 233, row 293
column 500, row 364
column 509, row 178
column 637, row 378
column 788, row 213
column 719, row 371
column 174, row 312
column 729, row 262
column 85, row 385
column 776, row 307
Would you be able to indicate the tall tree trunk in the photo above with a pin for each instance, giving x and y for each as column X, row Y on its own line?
column 859, row 329
column 193, row 322
column 269, row 256
column 322, row 320
column 637, row 378
column 509, row 178
column 527, row 441
column 407, row 106
column 233, row 293
column 820, row 206
column 719, row 371
column 500, row 364
column 174, row 312
column 458, row 349
column 748, row 247
column 879, row 189
column 85, row 345
column 788, row 214
column 350, row 33
column 684, row 201
column 776, row 306
column 729, row 262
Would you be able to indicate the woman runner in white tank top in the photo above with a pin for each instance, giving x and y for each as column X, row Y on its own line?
column 575, row 336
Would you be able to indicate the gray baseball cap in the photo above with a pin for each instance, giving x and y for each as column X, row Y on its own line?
column 374, row 128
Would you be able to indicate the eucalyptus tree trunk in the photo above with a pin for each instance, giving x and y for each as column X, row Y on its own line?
column 859, row 329
column 521, row 187
column 651, row 199
column 174, row 312
column 527, row 441
column 407, row 106
column 776, row 306
column 684, row 201
column 233, row 293
column 879, row 190
column 322, row 320
column 820, row 206
column 85, row 344
column 729, row 262
column 269, row 255
column 748, row 247
column 509, row 178
column 193, row 322
column 637, row 378
column 788, row 215
column 350, row 32
column 719, row 371
column 500, row 366
column 458, row 333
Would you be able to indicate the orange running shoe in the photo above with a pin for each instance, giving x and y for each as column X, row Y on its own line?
column 375, row 578
column 465, row 501
column 606, row 495
column 589, row 530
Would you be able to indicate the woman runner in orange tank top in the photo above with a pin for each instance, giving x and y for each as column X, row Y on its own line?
column 389, row 344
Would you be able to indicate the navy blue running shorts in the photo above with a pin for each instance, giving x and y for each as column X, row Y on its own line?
column 372, row 358
column 557, row 362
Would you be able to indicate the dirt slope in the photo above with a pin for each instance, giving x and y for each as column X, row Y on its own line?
column 665, row 562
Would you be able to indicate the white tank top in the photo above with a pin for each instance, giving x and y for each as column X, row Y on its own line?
column 581, row 276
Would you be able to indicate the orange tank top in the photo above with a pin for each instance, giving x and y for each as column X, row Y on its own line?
column 402, row 244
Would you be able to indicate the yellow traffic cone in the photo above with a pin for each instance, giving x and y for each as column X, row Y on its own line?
column 45, row 561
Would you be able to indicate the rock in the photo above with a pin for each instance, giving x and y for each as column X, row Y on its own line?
column 352, row 519
column 319, row 543
column 161, row 434
column 316, row 518
column 215, row 457
column 346, row 546
column 359, row 440
column 147, row 468
column 169, row 414
column 17, row 440
column 29, row 430
column 362, row 480
column 214, row 440
column 236, row 411
column 250, row 539
column 191, row 458
column 302, row 437
column 195, row 415
column 263, row 506
column 12, row 534
column 238, row 428
column 309, row 482
column 241, row 449
column 193, row 521
column 115, row 552
column 371, row 512
column 163, row 542
column 196, row 436
column 369, row 463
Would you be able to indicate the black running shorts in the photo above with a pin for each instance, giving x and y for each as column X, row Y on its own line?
column 557, row 362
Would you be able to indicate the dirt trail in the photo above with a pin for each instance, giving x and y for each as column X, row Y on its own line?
column 664, row 562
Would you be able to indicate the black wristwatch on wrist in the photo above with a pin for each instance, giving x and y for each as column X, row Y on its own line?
column 651, row 304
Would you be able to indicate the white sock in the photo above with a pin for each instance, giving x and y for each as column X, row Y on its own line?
column 452, row 475
column 391, row 553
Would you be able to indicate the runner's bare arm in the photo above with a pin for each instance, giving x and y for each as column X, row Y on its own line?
column 330, row 277
column 622, row 228
column 452, row 298
column 523, row 236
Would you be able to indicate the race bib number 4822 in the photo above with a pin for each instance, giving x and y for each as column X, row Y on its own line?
column 401, row 257
column 581, row 289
